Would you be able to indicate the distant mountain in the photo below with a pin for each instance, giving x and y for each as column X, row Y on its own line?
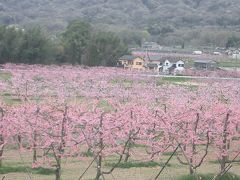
column 55, row 13
column 129, row 14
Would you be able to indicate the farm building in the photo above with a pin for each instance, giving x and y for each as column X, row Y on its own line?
column 131, row 62
column 236, row 56
column 205, row 64
column 216, row 53
column 154, row 63
column 153, row 66
column 197, row 52
column 172, row 64
column 166, row 65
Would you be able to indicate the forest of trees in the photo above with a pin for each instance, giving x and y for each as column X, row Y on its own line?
column 79, row 44
column 170, row 23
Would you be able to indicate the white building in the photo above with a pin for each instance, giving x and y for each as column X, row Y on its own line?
column 217, row 53
column 197, row 52
column 236, row 56
column 173, row 65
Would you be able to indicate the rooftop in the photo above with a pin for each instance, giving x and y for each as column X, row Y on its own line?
column 163, row 58
column 152, row 65
column 127, row 57
column 205, row 61
column 172, row 59
column 153, row 58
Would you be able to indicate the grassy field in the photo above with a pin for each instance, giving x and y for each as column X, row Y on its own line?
column 4, row 76
column 16, row 165
column 232, row 63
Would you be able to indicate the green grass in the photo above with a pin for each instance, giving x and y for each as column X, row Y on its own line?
column 43, row 171
column 190, row 177
column 11, row 101
column 232, row 63
column 214, row 162
column 226, row 63
column 127, row 165
column 190, row 87
column 172, row 80
column 6, row 170
column 105, row 106
column 227, row 176
column 7, row 94
column 137, row 145
column 176, row 79
column 5, row 76
column 126, row 83
column 21, row 169
column 160, row 82
column 8, row 99
column 189, row 63
column 167, row 154
column 88, row 153
column 14, row 100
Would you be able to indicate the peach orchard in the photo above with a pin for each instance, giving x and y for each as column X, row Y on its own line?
column 67, row 111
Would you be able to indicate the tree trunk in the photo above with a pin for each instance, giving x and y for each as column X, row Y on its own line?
column 98, row 175
column 223, row 163
column 19, row 140
column 1, row 154
column 127, row 157
column 193, row 173
column 58, row 173
column 193, row 149
column 224, row 158
column 127, row 154
column 62, row 145
column 1, row 138
column 99, row 167
column 34, row 155
column 191, row 170
column 99, row 162
column 34, row 148
column 191, row 160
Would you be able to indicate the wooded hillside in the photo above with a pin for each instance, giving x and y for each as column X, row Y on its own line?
column 157, row 17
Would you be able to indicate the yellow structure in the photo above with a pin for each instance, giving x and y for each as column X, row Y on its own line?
column 131, row 62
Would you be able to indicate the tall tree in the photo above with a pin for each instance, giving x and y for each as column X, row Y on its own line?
column 10, row 42
column 75, row 40
column 233, row 42
column 104, row 48
column 36, row 48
